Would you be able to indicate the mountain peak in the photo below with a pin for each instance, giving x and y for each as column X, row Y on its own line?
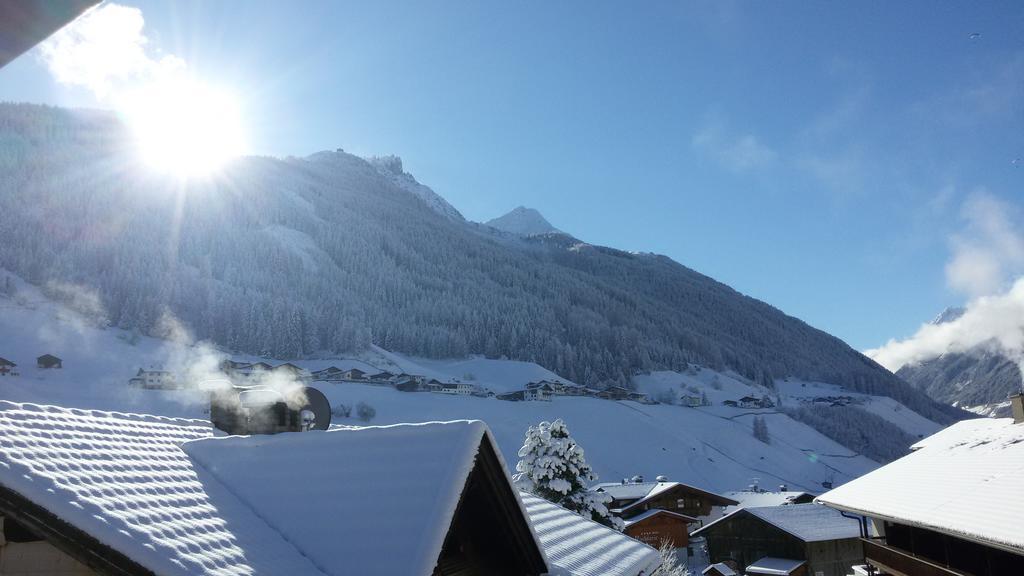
column 949, row 314
column 524, row 222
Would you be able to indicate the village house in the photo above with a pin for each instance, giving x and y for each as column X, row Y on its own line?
column 47, row 361
column 382, row 377
column 795, row 539
column 292, row 372
column 953, row 506
column 329, row 374
column 633, row 498
column 730, row 403
column 353, row 374
column 459, row 512
column 750, row 402
column 655, row 526
column 7, row 367
column 758, row 498
column 691, row 401
column 154, row 380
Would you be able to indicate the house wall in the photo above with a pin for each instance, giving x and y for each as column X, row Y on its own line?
column 746, row 539
column 834, row 557
column 38, row 559
column 657, row 529
column 693, row 503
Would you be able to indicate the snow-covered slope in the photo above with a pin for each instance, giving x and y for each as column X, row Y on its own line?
column 391, row 168
column 711, row 447
column 524, row 222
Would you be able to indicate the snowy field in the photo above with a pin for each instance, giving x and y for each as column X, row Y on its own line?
column 711, row 447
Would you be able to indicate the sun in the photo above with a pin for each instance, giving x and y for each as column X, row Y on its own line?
column 185, row 128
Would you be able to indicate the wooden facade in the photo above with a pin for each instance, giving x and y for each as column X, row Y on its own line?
column 661, row 526
column 910, row 550
column 745, row 538
column 680, row 498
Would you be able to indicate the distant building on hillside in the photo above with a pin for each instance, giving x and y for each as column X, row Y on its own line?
column 328, row 374
column 154, row 380
column 750, row 402
column 691, row 401
column 761, row 498
column 293, row 372
column 786, row 538
column 953, row 506
column 353, row 374
column 48, row 361
column 8, row 367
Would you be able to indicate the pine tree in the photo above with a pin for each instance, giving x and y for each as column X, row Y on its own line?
column 552, row 466
column 761, row 430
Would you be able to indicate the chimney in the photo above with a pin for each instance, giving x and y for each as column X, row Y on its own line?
column 1017, row 407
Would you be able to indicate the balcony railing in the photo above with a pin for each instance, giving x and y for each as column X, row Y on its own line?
column 896, row 561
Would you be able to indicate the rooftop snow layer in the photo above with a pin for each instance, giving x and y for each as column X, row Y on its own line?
column 124, row 480
column 654, row 512
column 748, row 499
column 972, row 466
column 774, row 566
column 722, row 568
column 576, row 546
column 405, row 488
column 808, row 522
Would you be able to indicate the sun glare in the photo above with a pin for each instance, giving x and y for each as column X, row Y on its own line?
column 185, row 128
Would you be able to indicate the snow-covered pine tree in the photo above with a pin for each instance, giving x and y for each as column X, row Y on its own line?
column 553, row 467
column 761, row 430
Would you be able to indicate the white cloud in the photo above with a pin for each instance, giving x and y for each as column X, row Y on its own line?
column 103, row 50
column 996, row 321
column 989, row 251
column 985, row 255
column 739, row 153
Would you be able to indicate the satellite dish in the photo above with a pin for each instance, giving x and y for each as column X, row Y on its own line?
column 315, row 410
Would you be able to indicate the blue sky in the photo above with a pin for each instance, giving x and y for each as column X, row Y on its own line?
column 823, row 157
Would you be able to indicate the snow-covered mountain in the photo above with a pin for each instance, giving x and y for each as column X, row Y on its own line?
column 711, row 446
column 523, row 222
column 391, row 168
column 311, row 257
column 979, row 379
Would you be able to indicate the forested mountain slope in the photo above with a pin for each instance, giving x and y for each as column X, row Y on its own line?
column 293, row 257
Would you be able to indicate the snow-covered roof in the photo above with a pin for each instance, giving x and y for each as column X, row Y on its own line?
column 808, row 522
column 176, row 500
column 654, row 512
column 404, row 483
column 971, row 466
column 722, row 568
column 749, row 499
column 576, row 546
column 124, row 480
column 644, row 491
column 775, row 566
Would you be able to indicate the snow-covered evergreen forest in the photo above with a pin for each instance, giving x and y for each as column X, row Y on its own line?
column 303, row 256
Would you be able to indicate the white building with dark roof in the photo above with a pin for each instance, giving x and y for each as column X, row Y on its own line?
column 954, row 505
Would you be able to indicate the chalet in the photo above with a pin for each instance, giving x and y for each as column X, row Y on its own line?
column 730, row 403
column 292, row 372
column 540, row 393
column 720, row 569
column 328, row 374
column 750, row 402
column 154, row 380
column 631, row 499
column 47, row 361
column 64, row 494
column 691, row 401
column 262, row 367
column 809, row 535
column 517, row 396
column 952, row 506
column 655, row 526
column 353, row 374
column 615, row 393
column 382, row 377
column 573, row 390
column 407, row 385
column 7, row 367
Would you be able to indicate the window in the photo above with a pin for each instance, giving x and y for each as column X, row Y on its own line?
column 681, row 503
